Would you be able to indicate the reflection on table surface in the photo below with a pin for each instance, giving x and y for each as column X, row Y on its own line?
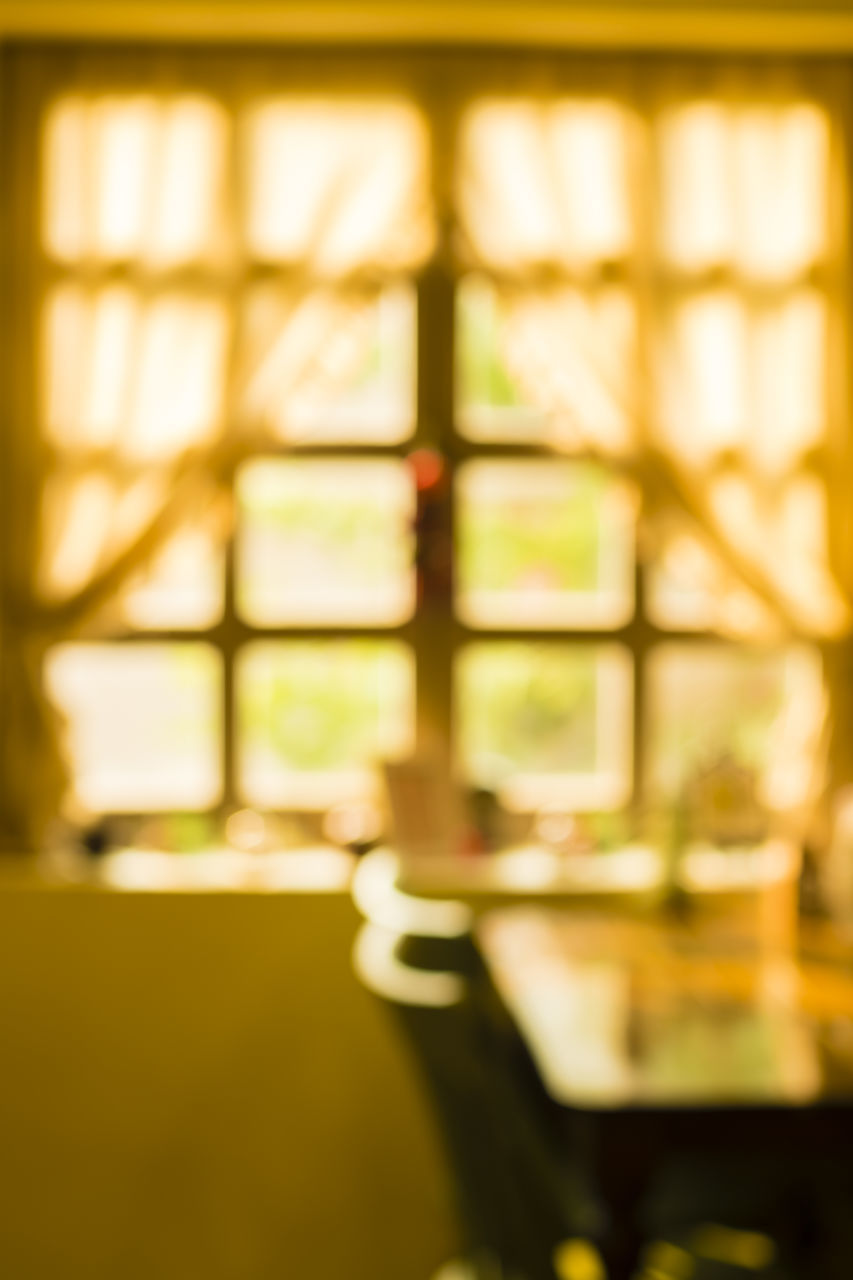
column 620, row 1012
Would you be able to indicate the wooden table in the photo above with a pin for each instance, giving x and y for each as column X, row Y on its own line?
column 661, row 1045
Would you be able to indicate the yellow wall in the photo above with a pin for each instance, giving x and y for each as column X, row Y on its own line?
column 195, row 1086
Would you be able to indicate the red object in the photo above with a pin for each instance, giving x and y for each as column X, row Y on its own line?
column 428, row 466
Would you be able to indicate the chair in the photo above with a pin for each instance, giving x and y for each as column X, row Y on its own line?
column 517, row 1198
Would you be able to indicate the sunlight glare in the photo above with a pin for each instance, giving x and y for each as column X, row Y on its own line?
column 573, row 355
column 143, row 723
column 180, row 376
column 337, row 185
column 546, row 183
column 790, row 356
column 133, row 177
column 123, row 140
column 589, row 141
column 697, row 211
column 115, row 325
column 745, row 186
column 75, row 515
column 188, row 196
column 711, row 343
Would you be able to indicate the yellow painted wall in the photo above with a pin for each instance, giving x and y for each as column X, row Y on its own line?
column 195, row 1088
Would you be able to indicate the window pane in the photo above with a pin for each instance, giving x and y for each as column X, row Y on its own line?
column 745, row 185
column 750, row 380
column 491, row 403
column 784, row 532
column 543, row 544
column 705, row 376
column 88, row 518
column 325, row 542
column 182, row 587
column 144, row 379
column 555, row 365
column 689, row 588
column 545, row 724
column 546, row 182
column 328, row 367
column 750, row 719
column 315, row 719
column 143, row 723
column 337, row 184
column 134, row 177
column 789, row 360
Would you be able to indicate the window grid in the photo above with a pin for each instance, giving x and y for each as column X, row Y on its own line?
column 430, row 631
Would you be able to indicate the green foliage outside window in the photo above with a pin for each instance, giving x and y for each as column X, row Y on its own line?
column 527, row 708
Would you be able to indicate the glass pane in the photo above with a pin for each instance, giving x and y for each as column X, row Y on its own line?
column 337, row 184
column 330, row 367
column 745, row 185
column 182, row 587
column 753, row 381
column 545, row 724
column 144, row 379
column 789, row 354
column 554, row 365
column 689, row 588
column 325, row 542
column 315, row 719
column 546, row 182
column 543, row 544
column 491, row 403
column 784, row 533
column 134, row 177
column 705, row 377
column 144, row 727
column 735, row 726
column 87, row 519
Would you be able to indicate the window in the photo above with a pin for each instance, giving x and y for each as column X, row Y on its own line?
column 417, row 404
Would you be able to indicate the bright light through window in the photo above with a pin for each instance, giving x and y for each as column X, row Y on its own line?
column 605, row 338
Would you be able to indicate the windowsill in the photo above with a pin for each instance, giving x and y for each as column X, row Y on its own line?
column 323, row 869
column 632, row 870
